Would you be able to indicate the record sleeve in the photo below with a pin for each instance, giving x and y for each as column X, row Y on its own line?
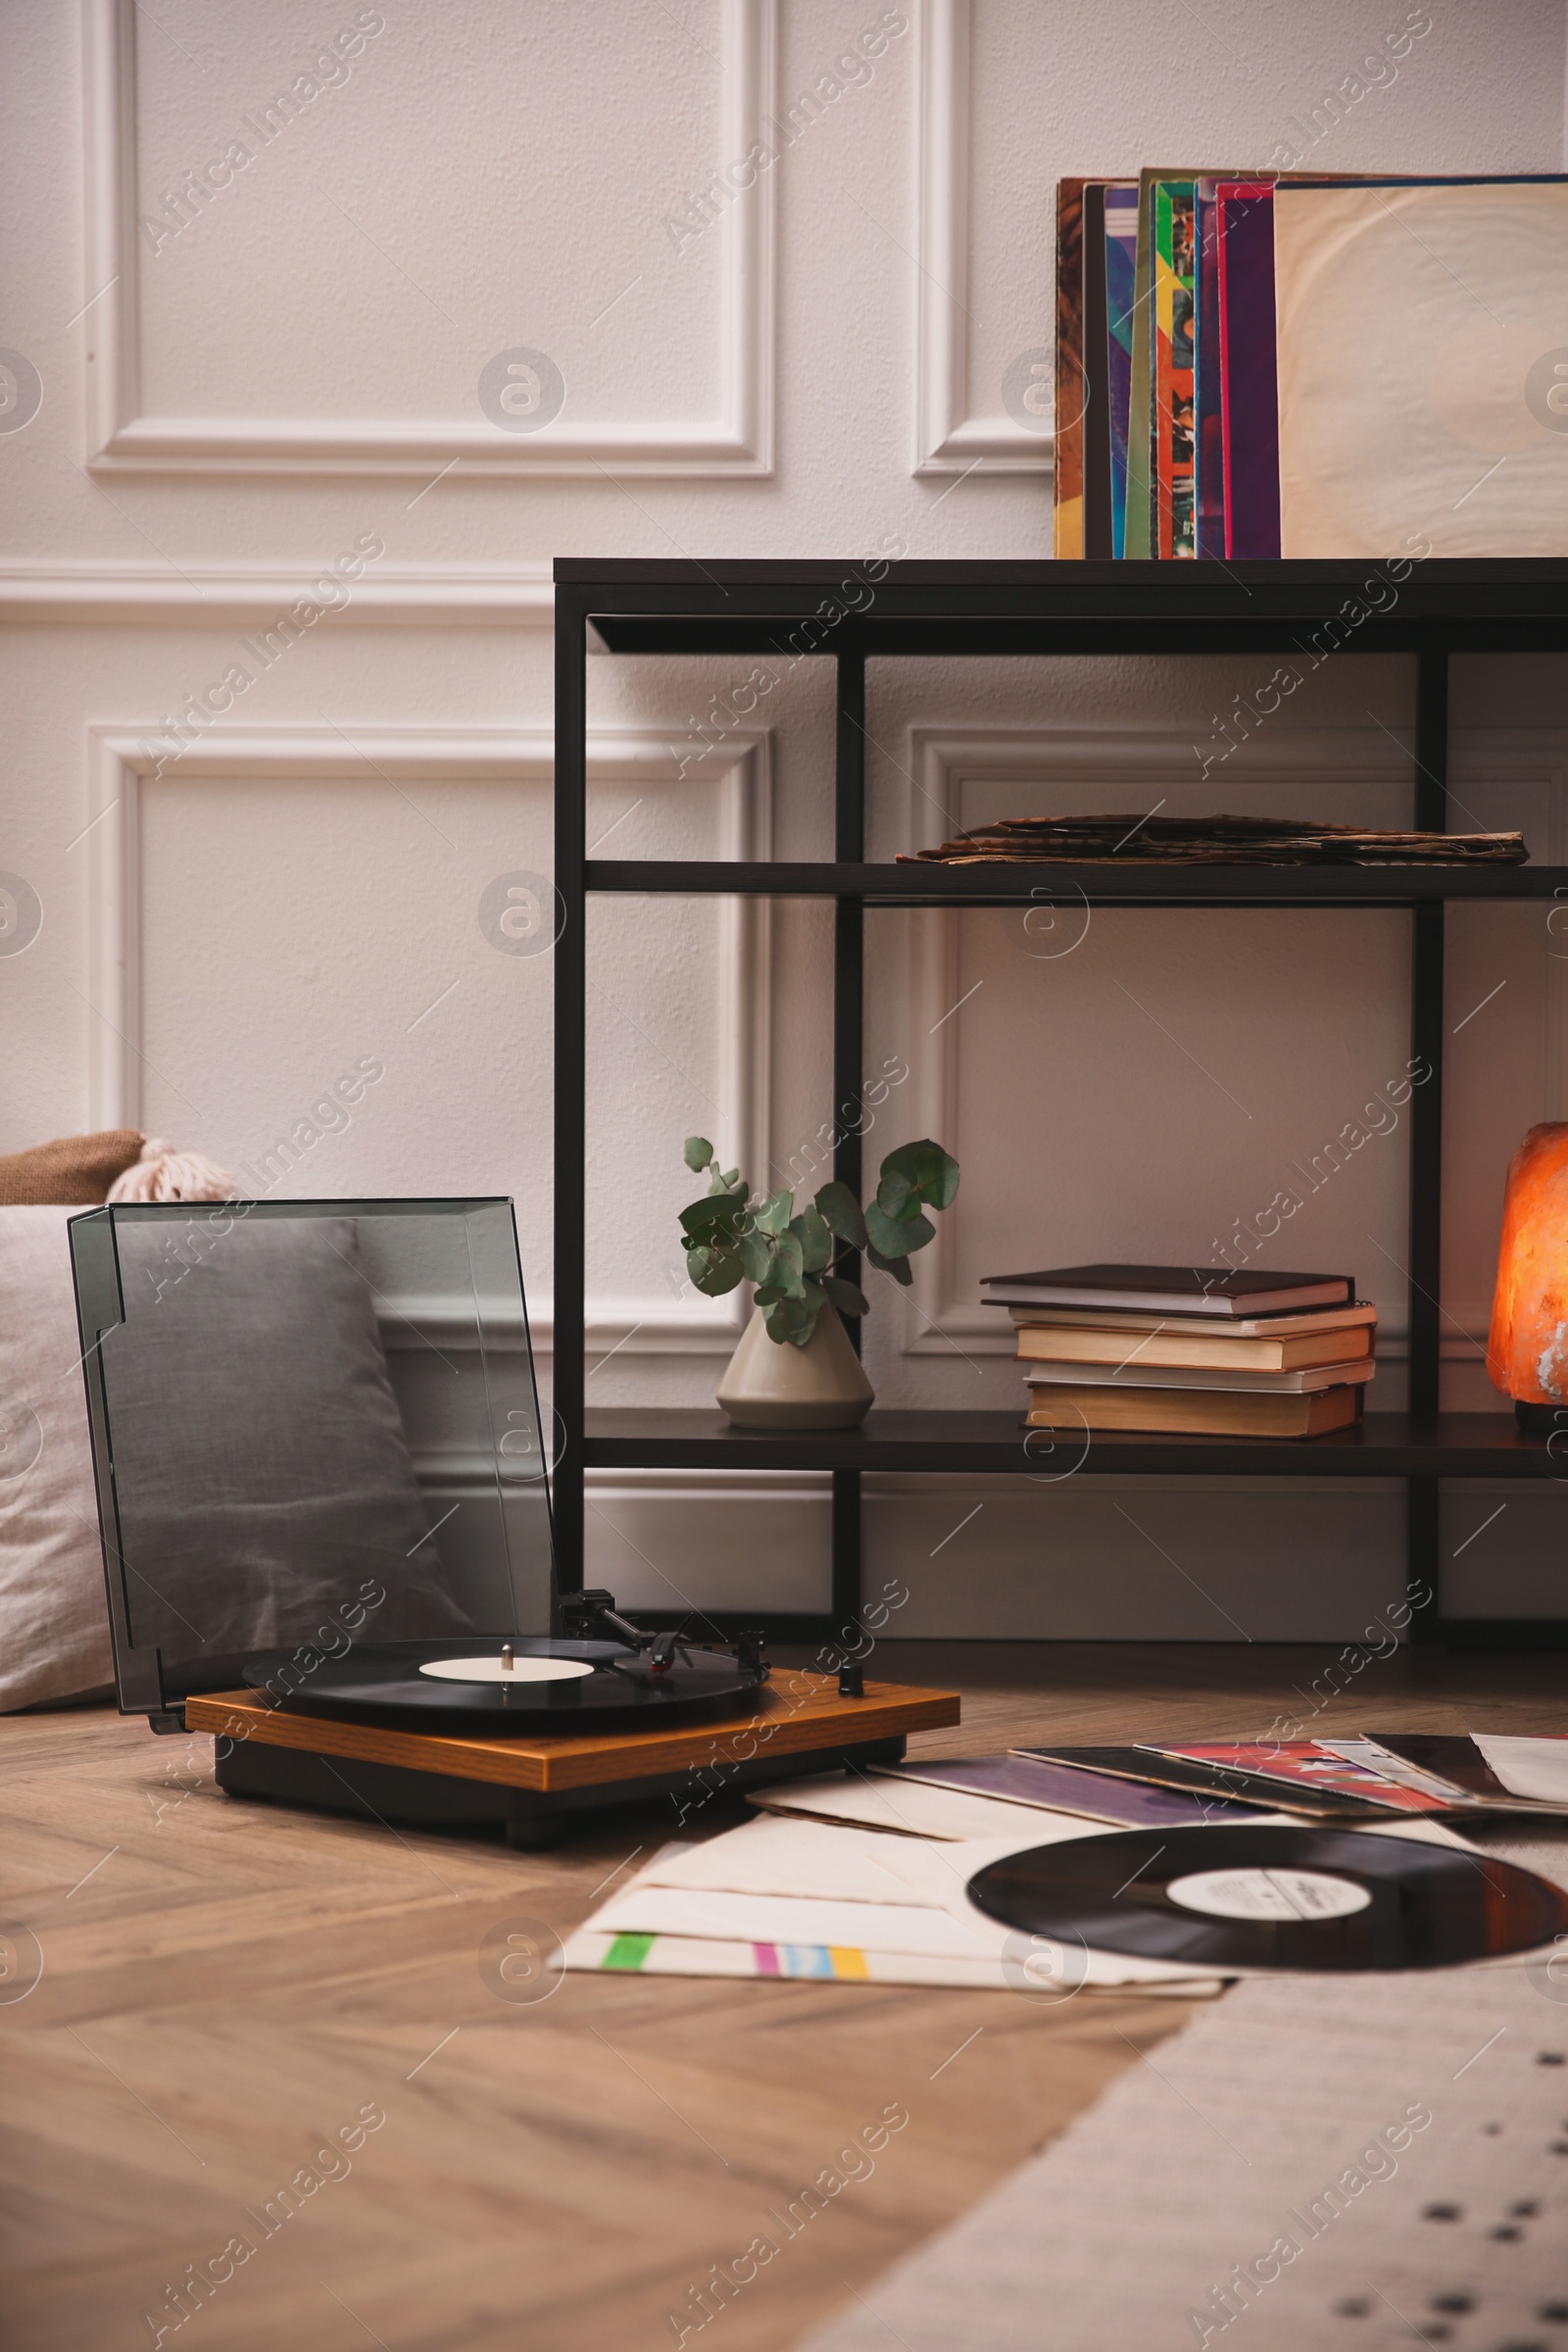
column 1216, row 1782
column 1068, row 478
column 1423, row 348
column 1096, row 428
column 1121, row 245
column 1249, row 370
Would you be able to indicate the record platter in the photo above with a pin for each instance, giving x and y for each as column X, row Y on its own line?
column 627, row 1679
column 1324, row 1901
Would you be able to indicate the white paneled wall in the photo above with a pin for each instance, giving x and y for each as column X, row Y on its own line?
column 346, row 321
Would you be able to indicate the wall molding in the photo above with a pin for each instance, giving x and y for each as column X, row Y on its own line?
column 122, row 762
column 252, row 595
column 943, row 762
column 948, row 439
column 121, row 439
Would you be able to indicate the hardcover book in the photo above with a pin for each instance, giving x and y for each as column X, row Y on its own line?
column 1317, row 1320
column 1193, row 1412
column 1239, row 1379
column 1172, row 1289
column 1167, row 1346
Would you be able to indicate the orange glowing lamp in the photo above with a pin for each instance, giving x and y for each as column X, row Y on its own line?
column 1527, row 1352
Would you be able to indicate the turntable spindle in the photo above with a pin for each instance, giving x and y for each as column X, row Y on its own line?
column 506, row 1657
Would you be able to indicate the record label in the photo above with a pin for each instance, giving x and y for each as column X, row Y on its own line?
column 1262, row 1896
column 1268, row 1894
column 506, row 1670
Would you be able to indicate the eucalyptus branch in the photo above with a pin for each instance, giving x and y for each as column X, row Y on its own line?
column 730, row 1237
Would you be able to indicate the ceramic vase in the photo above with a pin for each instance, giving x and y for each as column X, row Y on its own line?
column 820, row 1386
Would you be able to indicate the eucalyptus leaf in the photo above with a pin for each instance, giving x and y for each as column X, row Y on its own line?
column 816, row 1241
column 843, row 1294
column 896, row 1196
column 710, row 1214
column 896, row 1237
column 698, row 1151
column 775, row 1214
column 788, row 1270
column 757, row 1256
column 726, row 1272
column 840, row 1212
column 898, row 1267
column 793, row 1321
column 931, row 1171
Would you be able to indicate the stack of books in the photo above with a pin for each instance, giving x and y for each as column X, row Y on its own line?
column 1189, row 1350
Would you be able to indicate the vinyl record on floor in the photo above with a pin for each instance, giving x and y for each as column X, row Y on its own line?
column 555, row 1686
column 1326, row 1899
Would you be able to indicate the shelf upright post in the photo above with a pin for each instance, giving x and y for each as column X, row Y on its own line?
column 849, row 1013
column 570, row 1078
column 1426, row 1134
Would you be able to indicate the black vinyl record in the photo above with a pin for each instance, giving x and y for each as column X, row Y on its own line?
column 1322, row 1899
column 619, row 1691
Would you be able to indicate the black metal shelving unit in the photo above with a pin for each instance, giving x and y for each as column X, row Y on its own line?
column 1429, row 611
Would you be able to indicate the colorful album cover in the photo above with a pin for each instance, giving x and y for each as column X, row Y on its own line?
column 1121, row 256
column 1141, row 396
column 1307, row 1764
column 1171, row 452
column 1068, row 473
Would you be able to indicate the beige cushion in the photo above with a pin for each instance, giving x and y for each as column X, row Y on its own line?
column 54, row 1619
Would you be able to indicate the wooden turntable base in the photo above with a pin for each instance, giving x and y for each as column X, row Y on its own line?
column 797, row 1725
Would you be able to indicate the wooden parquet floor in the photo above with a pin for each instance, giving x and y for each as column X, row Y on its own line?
column 233, row 1993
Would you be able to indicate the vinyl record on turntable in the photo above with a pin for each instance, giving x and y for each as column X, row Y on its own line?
column 1326, row 1900
column 532, row 1685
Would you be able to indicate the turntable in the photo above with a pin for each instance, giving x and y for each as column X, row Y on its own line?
column 323, row 1498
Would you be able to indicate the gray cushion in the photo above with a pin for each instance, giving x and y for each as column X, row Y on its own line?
column 262, row 1472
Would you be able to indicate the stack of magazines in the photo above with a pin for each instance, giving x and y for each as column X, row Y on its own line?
column 1260, row 364
column 1189, row 1350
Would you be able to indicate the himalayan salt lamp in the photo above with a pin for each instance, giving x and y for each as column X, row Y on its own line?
column 1527, row 1352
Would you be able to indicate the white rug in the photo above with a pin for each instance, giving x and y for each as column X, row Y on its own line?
column 1268, row 2180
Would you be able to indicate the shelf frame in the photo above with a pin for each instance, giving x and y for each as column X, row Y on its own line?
column 1428, row 609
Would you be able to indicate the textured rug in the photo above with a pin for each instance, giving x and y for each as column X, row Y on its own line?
column 1310, row 2165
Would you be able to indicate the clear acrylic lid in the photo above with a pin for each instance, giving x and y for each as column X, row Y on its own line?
column 312, row 1421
